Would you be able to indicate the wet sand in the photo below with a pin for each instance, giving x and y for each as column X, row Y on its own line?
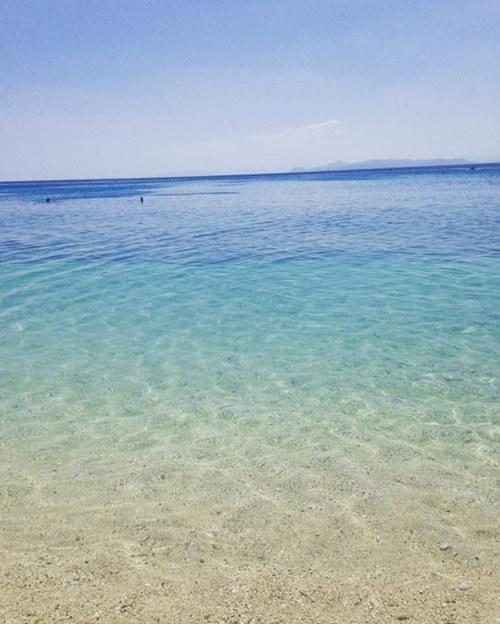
column 359, row 535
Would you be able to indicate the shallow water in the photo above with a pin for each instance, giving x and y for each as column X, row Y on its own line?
column 324, row 345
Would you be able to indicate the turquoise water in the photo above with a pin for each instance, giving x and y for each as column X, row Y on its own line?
column 294, row 338
column 317, row 296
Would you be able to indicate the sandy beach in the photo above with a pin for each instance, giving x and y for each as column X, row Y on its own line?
column 159, row 538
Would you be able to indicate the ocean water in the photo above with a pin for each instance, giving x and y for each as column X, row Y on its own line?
column 269, row 348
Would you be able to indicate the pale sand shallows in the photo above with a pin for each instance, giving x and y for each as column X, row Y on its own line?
column 363, row 532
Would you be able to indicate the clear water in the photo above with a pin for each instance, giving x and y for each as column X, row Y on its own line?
column 262, row 337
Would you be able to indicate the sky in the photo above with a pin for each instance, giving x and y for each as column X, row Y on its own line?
column 133, row 88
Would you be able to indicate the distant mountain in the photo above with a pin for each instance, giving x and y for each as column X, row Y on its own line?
column 340, row 165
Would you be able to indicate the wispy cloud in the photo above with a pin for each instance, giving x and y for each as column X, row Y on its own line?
column 305, row 145
column 309, row 130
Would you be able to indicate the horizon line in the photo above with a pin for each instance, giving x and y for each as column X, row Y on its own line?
column 292, row 172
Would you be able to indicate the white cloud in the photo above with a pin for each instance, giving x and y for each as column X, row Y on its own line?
column 310, row 130
column 306, row 145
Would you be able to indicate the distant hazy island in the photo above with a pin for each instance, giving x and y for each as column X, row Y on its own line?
column 385, row 164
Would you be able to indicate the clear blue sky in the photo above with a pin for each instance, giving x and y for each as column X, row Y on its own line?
column 157, row 87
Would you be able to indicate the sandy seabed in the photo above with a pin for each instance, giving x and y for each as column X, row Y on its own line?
column 147, row 536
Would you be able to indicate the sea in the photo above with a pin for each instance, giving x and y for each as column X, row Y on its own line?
column 248, row 367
